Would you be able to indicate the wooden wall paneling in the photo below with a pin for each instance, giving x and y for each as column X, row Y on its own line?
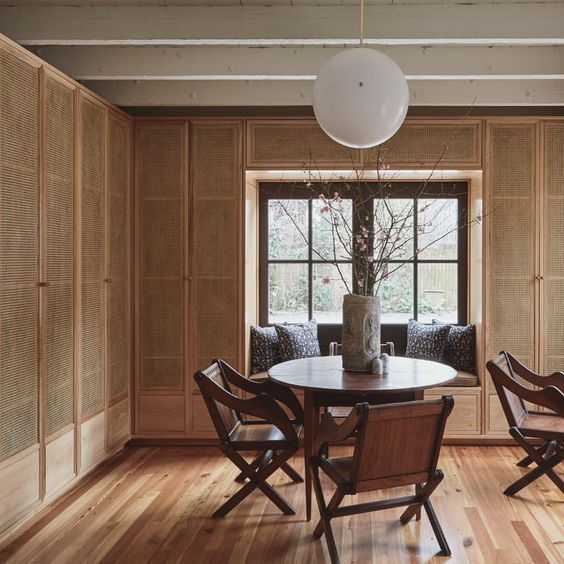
column 117, row 278
column 295, row 144
column 92, row 147
column 431, row 144
column 511, row 245
column 161, row 160
column 92, row 441
column 552, row 267
column 118, row 421
column 19, row 486
column 19, row 277
column 161, row 415
column 216, row 269
column 59, row 461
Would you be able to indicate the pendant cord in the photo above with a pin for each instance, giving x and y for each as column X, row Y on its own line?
column 361, row 23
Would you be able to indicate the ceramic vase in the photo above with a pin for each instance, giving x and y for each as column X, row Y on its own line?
column 361, row 332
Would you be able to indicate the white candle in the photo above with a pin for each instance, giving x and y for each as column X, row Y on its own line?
column 385, row 358
column 377, row 366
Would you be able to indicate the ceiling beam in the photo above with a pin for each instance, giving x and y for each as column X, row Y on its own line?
column 425, row 24
column 298, row 93
column 299, row 63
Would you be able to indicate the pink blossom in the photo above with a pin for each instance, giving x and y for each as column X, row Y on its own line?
column 325, row 209
column 326, row 280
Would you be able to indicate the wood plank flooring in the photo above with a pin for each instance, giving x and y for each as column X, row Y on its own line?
column 154, row 504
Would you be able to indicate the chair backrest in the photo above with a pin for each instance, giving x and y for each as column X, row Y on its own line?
column 335, row 349
column 502, row 374
column 223, row 417
column 399, row 443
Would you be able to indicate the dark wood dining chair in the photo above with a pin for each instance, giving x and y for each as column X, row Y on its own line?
column 270, row 431
column 395, row 445
column 526, row 425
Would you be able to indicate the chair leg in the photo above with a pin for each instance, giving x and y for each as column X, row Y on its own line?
column 257, row 480
column 325, row 516
column 333, row 504
column 445, row 549
column 418, row 490
column 424, row 493
column 527, row 460
column 293, row 474
column 536, row 457
column 544, row 468
column 241, row 477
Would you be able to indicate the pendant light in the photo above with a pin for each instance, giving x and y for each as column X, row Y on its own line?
column 360, row 97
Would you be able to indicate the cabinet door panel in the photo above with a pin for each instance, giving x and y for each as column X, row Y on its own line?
column 118, row 349
column 161, row 158
column 216, row 258
column 553, row 284
column 19, row 254
column 58, row 214
column 92, row 141
column 511, row 232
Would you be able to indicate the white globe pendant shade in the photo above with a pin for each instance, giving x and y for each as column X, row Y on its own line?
column 360, row 97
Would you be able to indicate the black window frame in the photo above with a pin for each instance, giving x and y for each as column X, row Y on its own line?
column 401, row 190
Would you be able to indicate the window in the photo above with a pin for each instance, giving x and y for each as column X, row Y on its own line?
column 426, row 275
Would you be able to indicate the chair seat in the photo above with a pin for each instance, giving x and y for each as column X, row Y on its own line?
column 544, row 426
column 253, row 436
column 338, row 468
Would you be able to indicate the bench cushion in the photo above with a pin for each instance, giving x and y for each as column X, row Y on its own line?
column 464, row 379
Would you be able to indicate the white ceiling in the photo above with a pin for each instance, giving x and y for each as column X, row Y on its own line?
column 180, row 52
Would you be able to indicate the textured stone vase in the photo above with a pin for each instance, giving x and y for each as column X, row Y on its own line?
column 361, row 332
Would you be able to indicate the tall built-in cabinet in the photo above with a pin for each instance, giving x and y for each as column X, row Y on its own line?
column 189, row 279
column 524, row 276
column 65, row 282
column 552, row 258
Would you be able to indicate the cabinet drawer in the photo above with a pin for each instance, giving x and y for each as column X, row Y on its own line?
column 466, row 414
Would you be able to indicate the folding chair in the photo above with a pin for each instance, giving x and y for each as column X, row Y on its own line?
column 396, row 445
column 524, row 424
column 273, row 434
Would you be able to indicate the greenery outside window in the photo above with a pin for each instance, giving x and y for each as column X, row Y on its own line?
column 427, row 276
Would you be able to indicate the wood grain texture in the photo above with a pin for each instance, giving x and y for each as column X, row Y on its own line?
column 155, row 504
column 326, row 374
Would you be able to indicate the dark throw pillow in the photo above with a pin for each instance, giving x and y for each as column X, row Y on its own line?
column 460, row 351
column 265, row 352
column 427, row 342
column 297, row 341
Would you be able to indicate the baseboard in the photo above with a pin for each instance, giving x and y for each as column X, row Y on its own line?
column 477, row 440
column 157, row 442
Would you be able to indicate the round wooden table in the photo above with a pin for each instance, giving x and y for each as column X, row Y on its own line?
column 325, row 383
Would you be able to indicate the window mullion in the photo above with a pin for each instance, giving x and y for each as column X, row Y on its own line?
column 415, row 261
column 310, row 257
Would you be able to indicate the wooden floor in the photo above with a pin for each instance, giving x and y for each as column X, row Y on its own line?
column 153, row 505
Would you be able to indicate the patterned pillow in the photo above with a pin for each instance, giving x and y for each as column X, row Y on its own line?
column 298, row 341
column 460, row 351
column 265, row 351
column 427, row 342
